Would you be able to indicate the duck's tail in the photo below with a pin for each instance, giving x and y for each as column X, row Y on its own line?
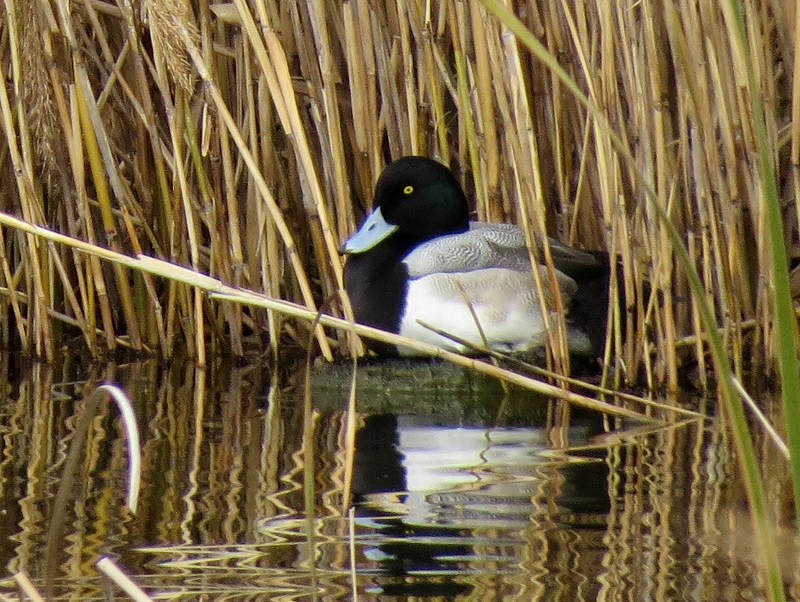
column 588, row 311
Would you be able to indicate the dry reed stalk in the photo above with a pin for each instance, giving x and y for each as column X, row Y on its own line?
column 122, row 580
column 15, row 297
column 37, row 95
column 101, row 164
column 22, row 299
column 274, row 211
column 37, row 339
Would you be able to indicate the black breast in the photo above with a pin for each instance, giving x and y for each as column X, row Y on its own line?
column 376, row 282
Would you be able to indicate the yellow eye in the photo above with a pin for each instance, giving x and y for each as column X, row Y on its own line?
column 408, row 190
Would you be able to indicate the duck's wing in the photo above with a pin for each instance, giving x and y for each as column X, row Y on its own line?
column 487, row 245
column 482, row 246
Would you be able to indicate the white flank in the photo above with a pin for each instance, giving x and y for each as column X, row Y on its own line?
column 510, row 321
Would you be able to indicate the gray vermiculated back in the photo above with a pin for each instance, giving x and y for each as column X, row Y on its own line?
column 487, row 245
column 482, row 246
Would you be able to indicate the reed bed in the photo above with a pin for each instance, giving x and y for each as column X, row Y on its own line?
column 244, row 140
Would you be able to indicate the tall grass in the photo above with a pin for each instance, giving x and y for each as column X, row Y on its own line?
column 244, row 141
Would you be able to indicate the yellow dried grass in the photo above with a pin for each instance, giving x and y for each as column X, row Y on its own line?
column 247, row 146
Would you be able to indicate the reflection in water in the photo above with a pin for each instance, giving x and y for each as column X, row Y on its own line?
column 448, row 502
column 475, row 497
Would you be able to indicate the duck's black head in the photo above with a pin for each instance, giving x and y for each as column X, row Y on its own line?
column 422, row 198
column 416, row 199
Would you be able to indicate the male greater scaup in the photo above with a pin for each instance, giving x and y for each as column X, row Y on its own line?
column 417, row 255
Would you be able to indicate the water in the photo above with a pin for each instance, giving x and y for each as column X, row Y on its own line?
column 458, row 494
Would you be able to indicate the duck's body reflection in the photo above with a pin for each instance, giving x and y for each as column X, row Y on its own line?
column 443, row 499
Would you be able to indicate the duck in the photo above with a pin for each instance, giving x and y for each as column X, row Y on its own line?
column 418, row 259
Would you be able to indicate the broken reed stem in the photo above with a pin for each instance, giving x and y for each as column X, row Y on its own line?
column 27, row 587
column 246, row 142
column 122, row 580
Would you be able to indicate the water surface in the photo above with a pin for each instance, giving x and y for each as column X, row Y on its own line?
column 457, row 493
